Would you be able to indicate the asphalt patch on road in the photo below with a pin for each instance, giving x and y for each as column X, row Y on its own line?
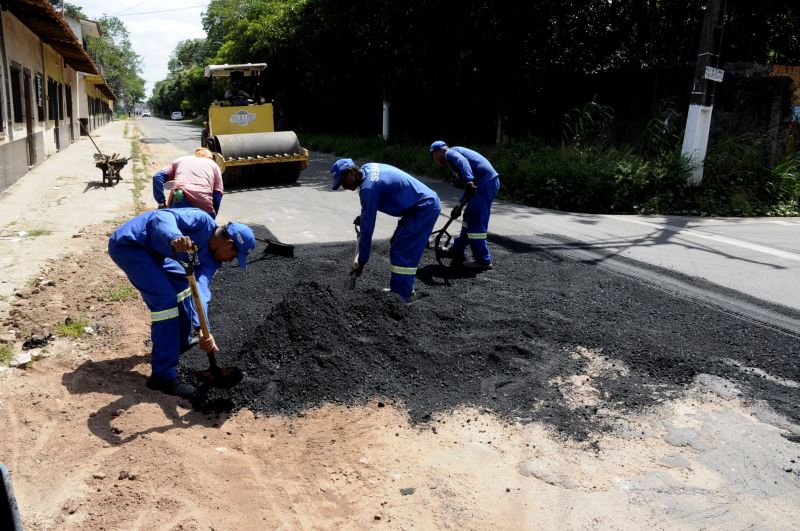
column 543, row 336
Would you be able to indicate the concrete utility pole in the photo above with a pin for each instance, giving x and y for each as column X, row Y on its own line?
column 706, row 76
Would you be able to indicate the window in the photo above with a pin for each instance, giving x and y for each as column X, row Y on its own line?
column 16, row 94
column 40, row 95
column 52, row 99
column 60, row 101
column 69, row 101
column 2, row 104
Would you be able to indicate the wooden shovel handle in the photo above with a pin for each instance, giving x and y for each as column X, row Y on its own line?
column 198, row 306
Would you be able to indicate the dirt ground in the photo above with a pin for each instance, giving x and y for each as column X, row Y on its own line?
column 599, row 432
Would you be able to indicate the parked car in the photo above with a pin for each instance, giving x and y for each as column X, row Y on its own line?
column 177, row 115
column 145, row 114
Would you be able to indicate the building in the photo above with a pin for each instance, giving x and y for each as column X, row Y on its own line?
column 50, row 89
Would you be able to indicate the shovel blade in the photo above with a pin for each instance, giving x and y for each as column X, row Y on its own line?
column 222, row 377
column 279, row 249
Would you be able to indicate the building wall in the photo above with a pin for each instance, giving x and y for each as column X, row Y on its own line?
column 55, row 93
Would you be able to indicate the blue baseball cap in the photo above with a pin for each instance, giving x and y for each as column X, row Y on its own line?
column 338, row 167
column 436, row 146
column 244, row 240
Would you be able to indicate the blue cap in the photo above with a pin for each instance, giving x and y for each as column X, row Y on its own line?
column 436, row 146
column 244, row 240
column 338, row 167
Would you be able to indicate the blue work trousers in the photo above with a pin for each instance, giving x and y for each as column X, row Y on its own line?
column 475, row 225
column 169, row 299
column 408, row 245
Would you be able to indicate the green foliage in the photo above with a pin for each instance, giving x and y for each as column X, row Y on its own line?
column 612, row 181
column 6, row 354
column 588, row 126
column 121, row 293
column 35, row 233
column 662, row 134
column 120, row 64
column 69, row 9
column 737, row 180
column 185, row 88
column 72, row 327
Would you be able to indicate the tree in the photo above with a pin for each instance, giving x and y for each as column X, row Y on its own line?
column 69, row 9
column 119, row 64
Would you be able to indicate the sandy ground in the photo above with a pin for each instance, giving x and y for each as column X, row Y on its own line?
column 89, row 447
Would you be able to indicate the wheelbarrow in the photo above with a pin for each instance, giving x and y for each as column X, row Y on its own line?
column 111, row 166
column 9, row 512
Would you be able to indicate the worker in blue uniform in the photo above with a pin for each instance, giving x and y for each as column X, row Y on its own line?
column 392, row 191
column 143, row 248
column 481, row 181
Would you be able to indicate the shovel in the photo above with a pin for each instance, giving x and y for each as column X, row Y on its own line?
column 435, row 239
column 277, row 248
column 356, row 225
column 214, row 376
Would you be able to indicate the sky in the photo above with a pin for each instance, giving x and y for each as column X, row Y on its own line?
column 155, row 28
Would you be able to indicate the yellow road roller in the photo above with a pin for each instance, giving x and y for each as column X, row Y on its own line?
column 240, row 129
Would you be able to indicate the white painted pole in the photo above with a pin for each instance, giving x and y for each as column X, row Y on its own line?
column 695, row 140
column 701, row 101
column 386, row 120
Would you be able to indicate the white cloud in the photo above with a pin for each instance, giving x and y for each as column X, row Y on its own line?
column 153, row 36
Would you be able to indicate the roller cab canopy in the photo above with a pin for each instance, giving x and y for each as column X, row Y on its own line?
column 247, row 69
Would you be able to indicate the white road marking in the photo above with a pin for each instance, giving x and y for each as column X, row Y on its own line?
column 713, row 237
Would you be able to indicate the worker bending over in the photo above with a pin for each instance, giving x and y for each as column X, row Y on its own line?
column 392, row 191
column 198, row 183
column 482, row 182
column 143, row 248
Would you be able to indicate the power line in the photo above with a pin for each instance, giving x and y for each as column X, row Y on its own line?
column 164, row 10
column 127, row 8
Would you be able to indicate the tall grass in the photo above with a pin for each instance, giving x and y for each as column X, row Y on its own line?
column 651, row 178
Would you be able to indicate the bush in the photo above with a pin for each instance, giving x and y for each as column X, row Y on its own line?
column 737, row 180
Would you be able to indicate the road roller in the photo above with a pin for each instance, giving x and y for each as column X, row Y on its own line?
column 240, row 129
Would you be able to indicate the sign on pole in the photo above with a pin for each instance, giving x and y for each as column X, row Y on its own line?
column 714, row 74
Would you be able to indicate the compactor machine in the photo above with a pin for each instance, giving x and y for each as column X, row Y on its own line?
column 240, row 129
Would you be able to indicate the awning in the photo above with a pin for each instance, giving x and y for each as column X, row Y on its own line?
column 100, row 83
column 43, row 20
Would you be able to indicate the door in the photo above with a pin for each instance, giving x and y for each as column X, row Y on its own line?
column 26, row 77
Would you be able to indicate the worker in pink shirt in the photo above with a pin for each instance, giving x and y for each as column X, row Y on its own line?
column 198, row 183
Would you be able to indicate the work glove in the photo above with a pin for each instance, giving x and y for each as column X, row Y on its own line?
column 456, row 212
column 471, row 189
column 357, row 221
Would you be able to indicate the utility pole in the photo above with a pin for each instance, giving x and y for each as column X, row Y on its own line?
column 706, row 76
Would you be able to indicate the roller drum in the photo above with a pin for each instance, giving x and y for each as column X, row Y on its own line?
column 257, row 145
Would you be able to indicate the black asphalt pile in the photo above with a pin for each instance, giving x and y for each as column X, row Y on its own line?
column 504, row 340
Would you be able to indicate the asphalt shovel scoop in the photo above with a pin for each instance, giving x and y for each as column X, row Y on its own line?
column 214, row 376
column 277, row 248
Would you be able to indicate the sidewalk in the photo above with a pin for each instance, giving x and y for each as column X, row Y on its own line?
column 42, row 214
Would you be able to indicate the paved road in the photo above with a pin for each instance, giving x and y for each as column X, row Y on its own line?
column 758, row 257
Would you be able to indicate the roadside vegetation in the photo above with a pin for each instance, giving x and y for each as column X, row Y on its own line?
column 35, row 233
column 121, row 293
column 139, row 173
column 6, row 354
column 73, row 328
column 586, row 173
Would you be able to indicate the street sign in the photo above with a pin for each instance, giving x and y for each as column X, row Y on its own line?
column 714, row 74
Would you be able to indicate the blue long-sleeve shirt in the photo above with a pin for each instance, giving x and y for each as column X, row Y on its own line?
column 389, row 190
column 154, row 231
column 469, row 165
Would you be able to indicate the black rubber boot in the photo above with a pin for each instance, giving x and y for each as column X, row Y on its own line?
column 171, row 387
